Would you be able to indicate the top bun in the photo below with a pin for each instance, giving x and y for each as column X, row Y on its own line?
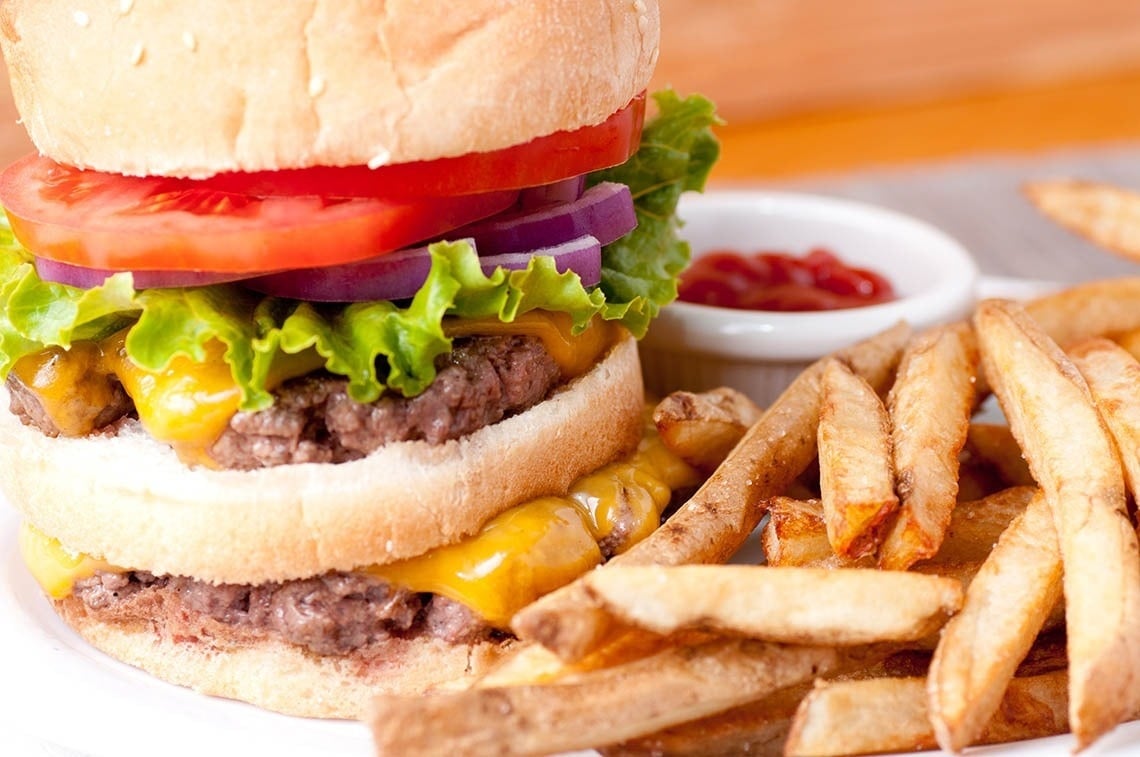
column 197, row 88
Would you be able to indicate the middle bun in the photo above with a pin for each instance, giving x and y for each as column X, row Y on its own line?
column 129, row 500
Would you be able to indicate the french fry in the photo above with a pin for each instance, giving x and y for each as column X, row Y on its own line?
column 976, row 526
column 890, row 715
column 1074, row 460
column 534, row 663
column 1105, row 214
column 856, row 473
column 1113, row 376
column 702, row 428
column 761, row 727
column 930, row 406
column 758, row 729
column 791, row 605
column 1084, row 311
column 605, row 706
column 712, row 525
column 794, row 535
column 976, row 479
column 994, row 444
column 1006, row 605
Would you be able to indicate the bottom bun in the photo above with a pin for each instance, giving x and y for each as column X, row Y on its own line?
column 279, row 676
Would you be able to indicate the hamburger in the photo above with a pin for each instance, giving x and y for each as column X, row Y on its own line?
column 317, row 326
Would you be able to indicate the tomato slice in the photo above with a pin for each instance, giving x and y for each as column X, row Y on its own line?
column 112, row 222
column 279, row 220
column 540, row 161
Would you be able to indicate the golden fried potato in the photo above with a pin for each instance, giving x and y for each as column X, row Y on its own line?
column 1105, row 214
column 702, row 428
column 1113, row 376
column 1006, row 605
column 1073, row 457
column 856, row 468
column 793, row 605
column 930, row 406
column 993, row 444
column 604, row 706
column 889, row 715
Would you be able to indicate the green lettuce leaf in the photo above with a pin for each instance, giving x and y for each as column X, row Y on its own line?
column 381, row 346
column 677, row 151
column 35, row 314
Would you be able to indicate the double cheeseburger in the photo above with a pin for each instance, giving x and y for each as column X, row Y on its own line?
column 317, row 325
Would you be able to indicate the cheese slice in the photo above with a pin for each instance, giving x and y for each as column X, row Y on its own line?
column 546, row 543
column 55, row 568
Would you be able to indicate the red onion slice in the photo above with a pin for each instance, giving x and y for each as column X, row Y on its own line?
column 567, row 190
column 399, row 275
column 392, row 276
column 88, row 278
column 604, row 211
column 583, row 256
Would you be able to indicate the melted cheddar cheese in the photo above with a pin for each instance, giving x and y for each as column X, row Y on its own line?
column 55, row 568
column 546, row 543
column 574, row 353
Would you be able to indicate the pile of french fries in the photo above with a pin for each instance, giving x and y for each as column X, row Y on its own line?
column 929, row 579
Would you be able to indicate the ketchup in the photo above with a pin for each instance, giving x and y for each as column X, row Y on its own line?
column 781, row 281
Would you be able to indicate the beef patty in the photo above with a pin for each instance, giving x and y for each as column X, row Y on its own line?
column 481, row 382
column 333, row 614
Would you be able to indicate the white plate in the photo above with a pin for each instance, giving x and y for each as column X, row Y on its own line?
column 62, row 698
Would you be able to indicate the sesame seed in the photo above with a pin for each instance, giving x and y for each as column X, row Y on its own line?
column 389, row 546
column 82, row 19
column 316, row 85
column 380, row 159
column 137, row 54
column 125, row 6
column 190, row 41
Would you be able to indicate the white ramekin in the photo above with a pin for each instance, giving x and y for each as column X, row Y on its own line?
column 698, row 347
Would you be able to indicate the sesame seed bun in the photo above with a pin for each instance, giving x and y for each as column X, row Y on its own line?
column 193, row 89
